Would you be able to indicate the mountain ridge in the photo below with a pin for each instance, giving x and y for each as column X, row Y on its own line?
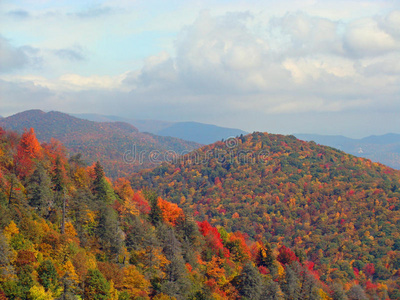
column 108, row 142
column 381, row 148
column 191, row 131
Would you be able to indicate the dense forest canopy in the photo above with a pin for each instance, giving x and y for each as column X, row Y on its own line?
column 342, row 212
column 214, row 232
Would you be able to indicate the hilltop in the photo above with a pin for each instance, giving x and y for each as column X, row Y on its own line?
column 108, row 142
column 342, row 212
column 69, row 232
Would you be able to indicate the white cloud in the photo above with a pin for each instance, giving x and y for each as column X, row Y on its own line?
column 237, row 63
column 77, row 82
column 309, row 35
column 71, row 82
column 221, row 54
column 388, row 65
column 11, row 58
column 365, row 37
column 391, row 23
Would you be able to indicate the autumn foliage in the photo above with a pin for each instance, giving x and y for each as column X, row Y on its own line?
column 170, row 211
column 67, row 231
column 28, row 149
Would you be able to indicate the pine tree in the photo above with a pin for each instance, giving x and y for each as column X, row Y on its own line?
column 59, row 188
column 47, row 274
column 101, row 188
column 155, row 213
column 291, row 286
column 249, row 283
column 176, row 284
column 39, row 190
column 80, row 203
column 58, row 176
column 96, row 286
column 140, row 235
column 108, row 231
column 271, row 291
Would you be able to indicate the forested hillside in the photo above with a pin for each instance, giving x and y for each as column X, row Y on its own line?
column 68, row 232
column 339, row 211
column 119, row 146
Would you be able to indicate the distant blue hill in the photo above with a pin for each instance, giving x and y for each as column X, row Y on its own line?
column 189, row 131
column 379, row 148
column 199, row 132
column 385, row 139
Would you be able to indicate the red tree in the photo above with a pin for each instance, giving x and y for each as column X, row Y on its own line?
column 369, row 269
column 27, row 150
column 213, row 238
column 286, row 256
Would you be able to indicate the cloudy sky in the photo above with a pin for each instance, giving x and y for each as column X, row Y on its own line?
column 289, row 66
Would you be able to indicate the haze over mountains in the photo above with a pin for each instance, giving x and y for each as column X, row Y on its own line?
column 381, row 148
column 190, row 131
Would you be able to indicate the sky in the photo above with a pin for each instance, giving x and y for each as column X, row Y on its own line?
column 289, row 66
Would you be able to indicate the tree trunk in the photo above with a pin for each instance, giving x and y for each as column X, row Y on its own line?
column 63, row 216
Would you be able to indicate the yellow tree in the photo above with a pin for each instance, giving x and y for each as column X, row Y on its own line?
column 134, row 282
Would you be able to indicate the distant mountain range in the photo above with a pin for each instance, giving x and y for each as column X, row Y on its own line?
column 151, row 126
column 118, row 145
column 190, row 131
column 380, row 148
column 73, row 130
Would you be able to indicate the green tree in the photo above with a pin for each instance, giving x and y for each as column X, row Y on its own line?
column 96, row 287
column 12, row 289
column 25, row 279
column 271, row 291
column 291, row 285
column 108, row 230
column 47, row 274
column 249, row 283
column 58, row 176
column 176, row 283
column 155, row 213
column 101, row 188
column 39, row 190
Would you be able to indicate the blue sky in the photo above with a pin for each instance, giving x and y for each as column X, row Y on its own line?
column 327, row 67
